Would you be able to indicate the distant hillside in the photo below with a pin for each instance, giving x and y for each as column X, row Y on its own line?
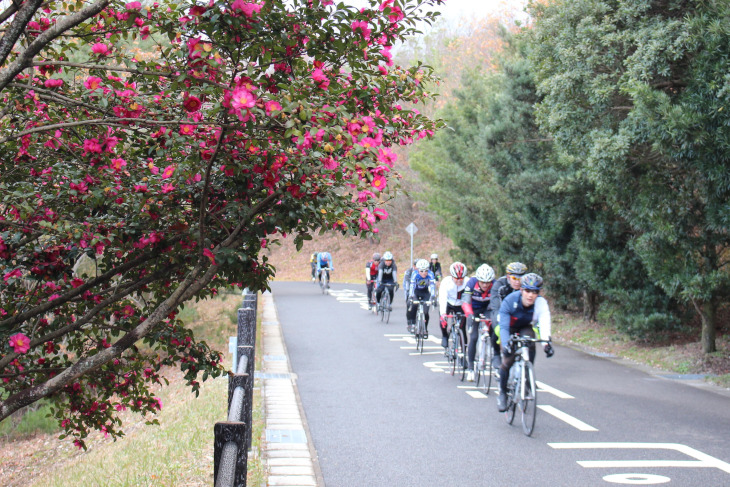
column 351, row 253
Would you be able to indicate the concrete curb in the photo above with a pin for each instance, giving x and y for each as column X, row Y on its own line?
column 288, row 450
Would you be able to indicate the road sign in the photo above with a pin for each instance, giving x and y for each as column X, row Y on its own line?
column 411, row 229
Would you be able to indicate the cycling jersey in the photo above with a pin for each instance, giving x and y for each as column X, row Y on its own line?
column 450, row 293
column 420, row 284
column 387, row 273
column 324, row 260
column 436, row 269
column 500, row 289
column 475, row 297
column 513, row 316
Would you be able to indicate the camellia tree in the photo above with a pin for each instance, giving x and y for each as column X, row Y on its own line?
column 148, row 152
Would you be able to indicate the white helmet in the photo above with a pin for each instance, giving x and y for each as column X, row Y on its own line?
column 484, row 273
column 434, row 256
column 387, row 256
column 422, row 265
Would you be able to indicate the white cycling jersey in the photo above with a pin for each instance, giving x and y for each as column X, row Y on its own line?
column 450, row 293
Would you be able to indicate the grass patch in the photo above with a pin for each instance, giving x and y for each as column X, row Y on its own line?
column 178, row 452
column 31, row 420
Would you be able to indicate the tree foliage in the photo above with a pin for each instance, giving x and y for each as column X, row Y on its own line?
column 637, row 90
column 149, row 152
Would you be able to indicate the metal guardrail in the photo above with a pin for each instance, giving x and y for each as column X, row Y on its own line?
column 233, row 437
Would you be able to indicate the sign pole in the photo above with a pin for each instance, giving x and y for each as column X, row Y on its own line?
column 411, row 229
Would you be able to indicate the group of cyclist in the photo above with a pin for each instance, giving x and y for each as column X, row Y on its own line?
column 512, row 303
column 321, row 262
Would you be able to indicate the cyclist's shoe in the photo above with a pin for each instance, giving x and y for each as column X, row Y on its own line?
column 470, row 376
column 496, row 362
column 390, row 308
column 444, row 342
column 328, row 286
column 502, row 402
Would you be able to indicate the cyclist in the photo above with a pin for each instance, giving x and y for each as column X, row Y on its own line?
column 500, row 289
column 313, row 264
column 371, row 273
column 450, row 298
column 517, row 315
column 422, row 288
column 407, row 275
column 435, row 266
column 324, row 263
column 387, row 274
column 474, row 301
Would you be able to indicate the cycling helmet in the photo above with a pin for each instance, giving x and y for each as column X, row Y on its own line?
column 516, row 268
column 376, row 256
column 531, row 281
column 434, row 256
column 484, row 273
column 422, row 265
column 458, row 270
column 387, row 256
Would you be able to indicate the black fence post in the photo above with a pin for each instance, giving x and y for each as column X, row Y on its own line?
column 247, row 347
column 230, row 455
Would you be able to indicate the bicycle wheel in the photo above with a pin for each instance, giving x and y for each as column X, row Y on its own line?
column 453, row 343
column 323, row 283
column 487, row 371
column 381, row 305
column 528, row 400
column 386, row 305
column 420, row 329
column 461, row 355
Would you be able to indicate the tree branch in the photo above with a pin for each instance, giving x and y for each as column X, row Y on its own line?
column 25, row 58
column 13, row 33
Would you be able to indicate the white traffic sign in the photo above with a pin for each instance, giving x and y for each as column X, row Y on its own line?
column 411, row 229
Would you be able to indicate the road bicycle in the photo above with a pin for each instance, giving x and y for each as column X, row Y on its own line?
column 420, row 327
column 521, row 388
column 324, row 281
column 456, row 349
column 384, row 305
column 483, row 371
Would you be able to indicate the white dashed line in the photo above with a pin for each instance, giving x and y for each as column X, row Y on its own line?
column 574, row 422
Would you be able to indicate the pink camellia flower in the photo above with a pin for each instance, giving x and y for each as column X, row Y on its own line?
column 167, row 188
column 100, row 48
column 247, row 8
column 192, row 104
column 197, row 11
column 53, row 83
column 20, row 343
column 387, row 156
column 118, row 163
column 379, row 182
column 242, row 99
column 387, row 55
column 272, row 106
column 92, row 82
column 133, row 6
column 329, row 163
column 168, row 171
column 187, row 129
column 363, row 26
column 209, row 254
column 380, row 213
column 320, row 78
column 12, row 274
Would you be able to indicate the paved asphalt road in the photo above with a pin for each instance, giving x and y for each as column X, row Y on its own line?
column 380, row 415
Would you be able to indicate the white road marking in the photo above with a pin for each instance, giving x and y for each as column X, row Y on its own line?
column 636, row 479
column 425, row 348
column 574, row 422
column 425, row 353
column 476, row 394
column 551, row 390
column 702, row 459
